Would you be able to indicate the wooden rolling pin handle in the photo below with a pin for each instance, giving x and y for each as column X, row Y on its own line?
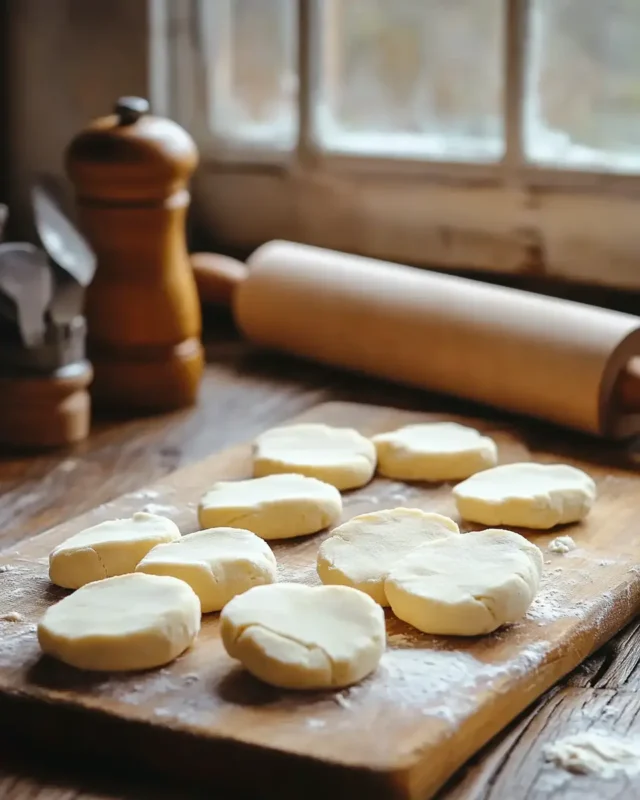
column 217, row 277
column 628, row 388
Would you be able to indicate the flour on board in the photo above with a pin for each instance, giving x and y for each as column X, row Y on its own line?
column 595, row 753
column 12, row 616
column 561, row 544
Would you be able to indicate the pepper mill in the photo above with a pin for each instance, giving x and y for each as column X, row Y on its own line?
column 130, row 171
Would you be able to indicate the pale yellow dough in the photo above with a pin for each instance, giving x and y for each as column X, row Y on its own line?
column 305, row 637
column 361, row 552
column 218, row 564
column 130, row 622
column 273, row 507
column 339, row 456
column 108, row 549
column 526, row 495
column 435, row 451
column 466, row 585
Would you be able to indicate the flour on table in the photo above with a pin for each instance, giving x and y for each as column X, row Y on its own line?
column 12, row 616
column 342, row 701
column 595, row 753
column 562, row 545
column 146, row 494
column 158, row 508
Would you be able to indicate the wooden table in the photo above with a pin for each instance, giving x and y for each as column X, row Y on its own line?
column 243, row 393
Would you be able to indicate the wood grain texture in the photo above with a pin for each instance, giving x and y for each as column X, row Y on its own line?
column 243, row 392
column 433, row 702
column 46, row 411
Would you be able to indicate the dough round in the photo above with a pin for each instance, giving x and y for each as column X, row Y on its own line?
column 108, row 549
column 305, row 637
column 526, row 495
column 273, row 507
column 466, row 585
column 339, row 456
column 125, row 623
column 361, row 552
column 218, row 564
column 436, row 451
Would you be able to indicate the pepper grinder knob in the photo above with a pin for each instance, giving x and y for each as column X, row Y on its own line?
column 130, row 109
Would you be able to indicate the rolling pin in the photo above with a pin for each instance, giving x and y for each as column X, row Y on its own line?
column 557, row 360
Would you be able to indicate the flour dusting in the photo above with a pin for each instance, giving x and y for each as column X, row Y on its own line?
column 404, row 639
column 12, row 616
column 145, row 494
column 445, row 683
column 562, row 545
column 161, row 510
column 595, row 753
column 342, row 701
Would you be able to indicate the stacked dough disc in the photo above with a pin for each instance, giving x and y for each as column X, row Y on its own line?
column 141, row 586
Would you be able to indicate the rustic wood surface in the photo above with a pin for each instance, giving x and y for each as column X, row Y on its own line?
column 243, row 393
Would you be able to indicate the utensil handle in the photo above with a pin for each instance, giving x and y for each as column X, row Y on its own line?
column 628, row 388
column 217, row 277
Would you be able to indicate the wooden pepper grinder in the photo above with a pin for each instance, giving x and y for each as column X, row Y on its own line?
column 130, row 171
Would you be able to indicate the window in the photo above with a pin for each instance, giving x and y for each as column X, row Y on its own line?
column 500, row 135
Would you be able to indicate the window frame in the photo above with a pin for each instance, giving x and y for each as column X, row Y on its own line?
column 508, row 216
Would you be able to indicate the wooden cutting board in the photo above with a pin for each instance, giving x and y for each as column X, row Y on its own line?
column 433, row 702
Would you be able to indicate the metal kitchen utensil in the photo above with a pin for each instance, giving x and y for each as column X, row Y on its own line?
column 62, row 240
column 68, row 250
column 27, row 280
column 44, row 374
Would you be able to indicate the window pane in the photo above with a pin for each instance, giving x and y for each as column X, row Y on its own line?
column 583, row 84
column 412, row 78
column 252, row 71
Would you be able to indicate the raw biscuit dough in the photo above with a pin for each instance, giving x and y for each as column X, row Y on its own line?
column 218, row 564
column 526, row 495
column 273, row 507
column 435, row 451
column 466, row 585
column 305, row 637
column 108, row 549
column 361, row 552
column 339, row 456
column 129, row 622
